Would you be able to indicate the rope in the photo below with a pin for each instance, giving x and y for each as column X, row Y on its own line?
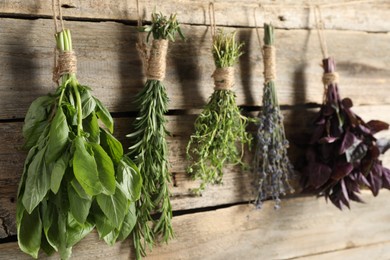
column 157, row 60
column 269, row 63
column 223, row 78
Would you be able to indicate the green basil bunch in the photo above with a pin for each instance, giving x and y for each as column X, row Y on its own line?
column 75, row 176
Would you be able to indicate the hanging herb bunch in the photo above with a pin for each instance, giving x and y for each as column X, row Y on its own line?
column 343, row 155
column 220, row 128
column 75, row 176
column 272, row 165
column 150, row 150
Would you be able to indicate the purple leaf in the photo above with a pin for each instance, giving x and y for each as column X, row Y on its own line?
column 356, row 152
column 341, row 170
column 377, row 126
column 364, row 129
column 348, row 141
column 319, row 174
column 347, row 102
column 327, row 139
column 375, row 179
column 345, row 193
column 385, row 178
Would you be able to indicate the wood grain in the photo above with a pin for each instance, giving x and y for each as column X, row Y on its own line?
column 285, row 14
column 303, row 226
column 238, row 185
column 109, row 64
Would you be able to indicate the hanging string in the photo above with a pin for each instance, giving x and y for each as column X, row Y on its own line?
column 212, row 19
column 65, row 62
column 320, row 31
column 140, row 45
column 257, row 27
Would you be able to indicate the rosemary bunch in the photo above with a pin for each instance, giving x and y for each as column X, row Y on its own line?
column 272, row 166
column 75, row 176
column 220, row 128
column 343, row 155
column 150, row 150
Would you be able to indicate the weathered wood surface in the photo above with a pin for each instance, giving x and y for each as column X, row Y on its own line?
column 286, row 14
column 237, row 184
column 303, row 227
column 108, row 62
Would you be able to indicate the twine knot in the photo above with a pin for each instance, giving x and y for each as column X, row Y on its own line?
column 329, row 78
column 223, row 78
column 269, row 63
column 156, row 63
column 66, row 63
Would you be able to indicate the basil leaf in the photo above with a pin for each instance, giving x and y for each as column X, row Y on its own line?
column 114, row 207
column 91, row 126
column 128, row 223
column 88, row 104
column 79, row 207
column 129, row 179
column 80, row 191
column 104, row 115
column 46, row 247
column 85, row 169
column 58, row 136
column 50, row 225
column 111, row 237
column 111, row 145
column 76, row 231
column 105, row 168
column 103, row 224
column 58, row 172
column 31, row 154
column 36, row 120
column 37, row 182
column 30, row 232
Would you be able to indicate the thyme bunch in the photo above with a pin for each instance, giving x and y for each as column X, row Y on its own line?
column 150, row 150
column 272, row 166
column 220, row 128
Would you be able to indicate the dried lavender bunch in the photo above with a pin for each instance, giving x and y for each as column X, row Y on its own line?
column 220, row 128
column 343, row 155
column 272, row 165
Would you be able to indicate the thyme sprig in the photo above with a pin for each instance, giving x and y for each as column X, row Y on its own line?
column 220, row 130
column 272, row 165
column 150, row 150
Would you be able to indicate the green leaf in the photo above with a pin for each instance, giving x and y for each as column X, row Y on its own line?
column 105, row 168
column 46, row 247
column 30, row 232
column 36, row 120
column 79, row 189
column 37, row 182
column 114, row 207
column 79, row 207
column 31, row 154
column 111, row 237
column 58, row 136
column 129, row 179
column 85, row 169
column 50, row 225
column 104, row 115
column 58, row 172
column 111, row 145
column 103, row 224
column 88, row 103
column 128, row 223
column 91, row 126
column 76, row 231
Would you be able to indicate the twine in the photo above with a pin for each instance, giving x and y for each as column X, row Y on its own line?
column 66, row 63
column 269, row 63
column 223, row 78
column 329, row 78
column 156, row 63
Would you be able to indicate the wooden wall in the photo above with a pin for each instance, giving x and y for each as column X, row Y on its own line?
column 221, row 224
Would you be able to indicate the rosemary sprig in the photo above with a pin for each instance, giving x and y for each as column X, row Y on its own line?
column 150, row 150
column 272, row 166
column 220, row 128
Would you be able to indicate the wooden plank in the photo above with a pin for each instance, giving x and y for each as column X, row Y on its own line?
column 375, row 251
column 89, row 248
column 237, row 184
column 286, row 14
column 109, row 63
column 303, row 226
